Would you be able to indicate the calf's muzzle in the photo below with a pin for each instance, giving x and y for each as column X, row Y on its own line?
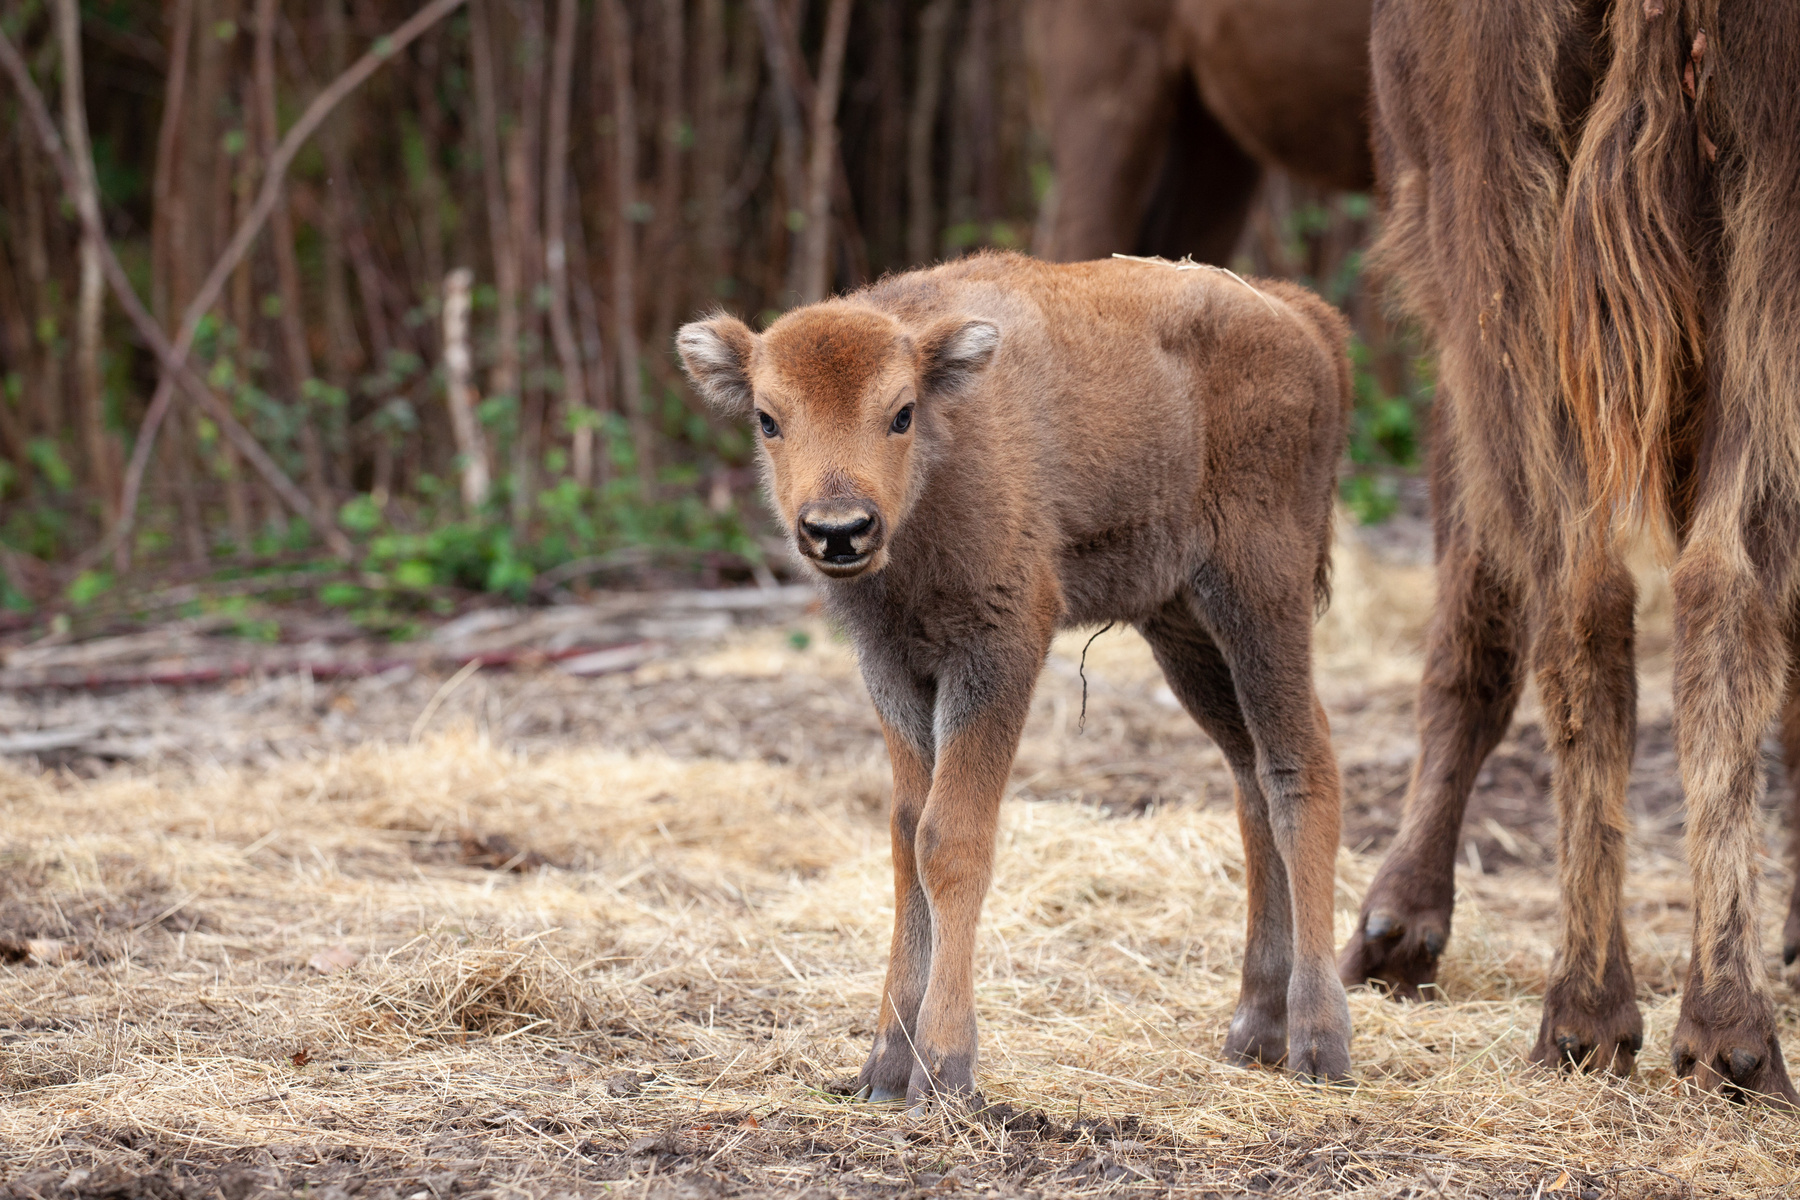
column 839, row 537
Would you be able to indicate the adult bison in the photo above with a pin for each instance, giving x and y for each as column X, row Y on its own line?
column 1594, row 208
column 1163, row 114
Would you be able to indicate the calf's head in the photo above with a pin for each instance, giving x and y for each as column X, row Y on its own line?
column 849, row 406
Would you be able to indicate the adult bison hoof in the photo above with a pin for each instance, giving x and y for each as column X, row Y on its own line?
column 1739, row 1060
column 1599, row 1032
column 1396, row 943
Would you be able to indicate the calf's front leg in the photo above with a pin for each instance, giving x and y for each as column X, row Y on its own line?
column 979, row 719
column 890, row 1065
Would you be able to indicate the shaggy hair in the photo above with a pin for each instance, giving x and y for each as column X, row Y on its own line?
column 1592, row 207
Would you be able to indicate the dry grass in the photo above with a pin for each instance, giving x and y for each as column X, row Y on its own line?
column 663, row 1006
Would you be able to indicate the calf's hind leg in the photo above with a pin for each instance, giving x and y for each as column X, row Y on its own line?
column 1198, row 676
column 1262, row 629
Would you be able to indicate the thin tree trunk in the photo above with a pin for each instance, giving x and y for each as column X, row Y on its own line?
column 189, row 459
column 794, row 96
column 431, row 189
column 43, row 398
column 921, row 217
column 665, row 233
column 368, row 280
column 815, row 236
column 593, row 352
column 984, row 122
column 788, row 76
column 243, row 278
column 617, row 34
column 166, row 191
column 522, row 175
column 90, row 305
column 287, row 268
column 503, row 380
column 556, row 257
column 15, row 325
column 713, row 149
column 342, row 347
column 237, row 499
column 459, row 390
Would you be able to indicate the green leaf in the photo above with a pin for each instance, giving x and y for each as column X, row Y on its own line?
column 89, row 586
column 415, row 575
column 47, row 457
column 360, row 515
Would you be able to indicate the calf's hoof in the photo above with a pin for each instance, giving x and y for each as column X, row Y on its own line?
column 1319, row 1026
column 1257, row 1035
column 1397, row 941
column 884, row 1076
column 949, row 1080
column 1320, row 1057
column 1738, row 1059
column 1601, row 1032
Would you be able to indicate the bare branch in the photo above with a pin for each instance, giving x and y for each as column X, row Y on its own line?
column 815, row 237
column 173, row 356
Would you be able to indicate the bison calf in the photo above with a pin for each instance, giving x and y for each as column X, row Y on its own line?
column 975, row 456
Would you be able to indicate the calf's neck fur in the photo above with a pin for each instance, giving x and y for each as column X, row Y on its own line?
column 975, row 456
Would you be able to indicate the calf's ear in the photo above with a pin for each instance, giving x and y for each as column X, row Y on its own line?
column 716, row 353
column 953, row 353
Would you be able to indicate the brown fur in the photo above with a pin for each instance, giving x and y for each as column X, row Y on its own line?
column 1108, row 441
column 1593, row 208
column 1163, row 114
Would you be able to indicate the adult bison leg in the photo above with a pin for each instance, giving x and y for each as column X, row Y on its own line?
column 1731, row 658
column 1587, row 682
column 885, row 1075
column 1201, row 199
column 982, row 701
column 1474, row 668
column 1735, row 581
column 1790, row 752
column 1198, row 676
column 1263, row 628
column 1109, row 80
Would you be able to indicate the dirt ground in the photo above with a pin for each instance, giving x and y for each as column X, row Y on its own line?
column 423, row 932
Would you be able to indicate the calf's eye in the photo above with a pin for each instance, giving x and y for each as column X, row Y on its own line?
column 769, row 427
column 902, row 420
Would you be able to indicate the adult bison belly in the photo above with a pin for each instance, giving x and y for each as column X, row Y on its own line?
column 1288, row 79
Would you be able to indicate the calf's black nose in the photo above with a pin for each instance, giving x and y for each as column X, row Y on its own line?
column 837, row 525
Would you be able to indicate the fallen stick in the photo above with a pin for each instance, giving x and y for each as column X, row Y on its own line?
column 601, row 659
